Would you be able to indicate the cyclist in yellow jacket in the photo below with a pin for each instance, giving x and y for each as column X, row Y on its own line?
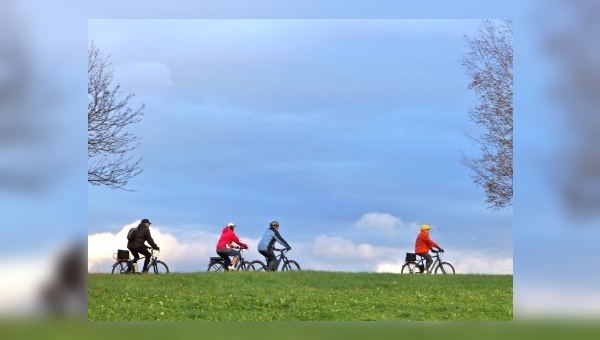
column 423, row 245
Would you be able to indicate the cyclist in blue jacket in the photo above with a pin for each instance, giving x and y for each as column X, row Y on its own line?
column 266, row 244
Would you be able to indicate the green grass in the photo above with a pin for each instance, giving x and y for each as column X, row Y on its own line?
column 305, row 295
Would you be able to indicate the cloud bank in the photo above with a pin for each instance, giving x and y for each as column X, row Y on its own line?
column 384, row 223
column 190, row 251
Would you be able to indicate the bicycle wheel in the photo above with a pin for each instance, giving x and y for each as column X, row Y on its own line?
column 158, row 267
column 215, row 267
column 244, row 266
column 257, row 265
column 291, row 265
column 410, row 268
column 444, row 268
column 120, row 267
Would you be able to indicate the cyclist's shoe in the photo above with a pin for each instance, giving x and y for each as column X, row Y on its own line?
column 421, row 268
column 231, row 268
column 144, row 272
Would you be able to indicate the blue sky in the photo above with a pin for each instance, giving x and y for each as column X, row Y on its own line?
column 348, row 132
column 51, row 36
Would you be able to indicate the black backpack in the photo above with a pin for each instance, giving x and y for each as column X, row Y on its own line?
column 132, row 234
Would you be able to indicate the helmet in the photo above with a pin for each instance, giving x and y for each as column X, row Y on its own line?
column 274, row 224
column 425, row 227
column 231, row 225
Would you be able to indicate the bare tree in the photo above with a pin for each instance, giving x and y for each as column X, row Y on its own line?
column 489, row 65
column 109, row 144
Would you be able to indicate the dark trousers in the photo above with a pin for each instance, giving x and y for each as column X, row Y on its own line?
column 136, row 255
column 271, row 259
column 428, row 259
column 225, row 256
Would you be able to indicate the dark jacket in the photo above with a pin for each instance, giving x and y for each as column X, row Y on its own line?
column 143, row 235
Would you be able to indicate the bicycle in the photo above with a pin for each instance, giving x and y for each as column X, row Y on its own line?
column 217, row 264
column 414, row 266
column 125, row 264
column 288, row 264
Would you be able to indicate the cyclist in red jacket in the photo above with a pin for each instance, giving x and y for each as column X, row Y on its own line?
column 225, row 246
column 423, row 245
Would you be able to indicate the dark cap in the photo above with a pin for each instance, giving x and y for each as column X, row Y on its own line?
column 145, row 220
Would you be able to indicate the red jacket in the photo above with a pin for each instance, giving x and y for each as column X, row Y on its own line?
column 227, row 238
column 424, row 243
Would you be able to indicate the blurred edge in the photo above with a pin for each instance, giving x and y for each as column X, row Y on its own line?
column 41, row 191
column 305, row 330
column 569, row 38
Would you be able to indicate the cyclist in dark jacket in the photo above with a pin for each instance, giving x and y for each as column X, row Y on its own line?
column 265, row 246
column 138, row 247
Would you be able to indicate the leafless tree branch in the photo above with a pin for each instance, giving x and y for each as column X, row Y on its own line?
column 109, row 143
column 489, row 65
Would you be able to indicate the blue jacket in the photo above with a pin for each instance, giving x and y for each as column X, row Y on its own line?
column 268, row 240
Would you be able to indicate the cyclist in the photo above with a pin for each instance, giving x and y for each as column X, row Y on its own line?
column 265, row 246
column 137, row 246
column 225, row 246
column 423, row 245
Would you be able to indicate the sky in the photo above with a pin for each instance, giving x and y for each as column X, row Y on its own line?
column 44, row 193
column 347, row 132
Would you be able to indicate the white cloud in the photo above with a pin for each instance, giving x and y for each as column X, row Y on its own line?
column 390, row 267
column 328, row 253
column 475, row 262
column 338, row 248
column 187, row 255
column 464, row 262
column 384, row 223
column 339, row 254
column 478, row 263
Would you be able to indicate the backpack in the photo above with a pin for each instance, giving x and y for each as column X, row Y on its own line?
column 132, row 234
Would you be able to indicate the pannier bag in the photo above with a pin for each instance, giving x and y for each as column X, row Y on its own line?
column 123, row 254
column 411, row 257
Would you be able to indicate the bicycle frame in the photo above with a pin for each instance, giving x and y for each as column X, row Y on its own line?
column 418, row 266
column 126, row 266
column 422, row 262
column 281, row 259
column 240, row 264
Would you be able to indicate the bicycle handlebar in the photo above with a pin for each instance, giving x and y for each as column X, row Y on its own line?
column 153, row 251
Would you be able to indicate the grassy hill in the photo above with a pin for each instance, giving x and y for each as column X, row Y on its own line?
column 305, row 295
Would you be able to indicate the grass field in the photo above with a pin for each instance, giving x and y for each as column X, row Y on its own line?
column 305, row 295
